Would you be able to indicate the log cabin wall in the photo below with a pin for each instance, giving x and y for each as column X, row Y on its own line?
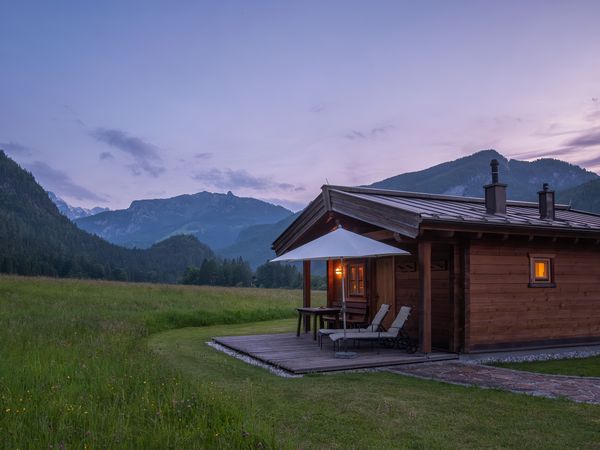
column 383, row 287
column 503, row 311
column 407, row 293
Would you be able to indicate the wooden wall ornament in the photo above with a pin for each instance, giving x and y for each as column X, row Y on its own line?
column 439, row 265
column 407, row 267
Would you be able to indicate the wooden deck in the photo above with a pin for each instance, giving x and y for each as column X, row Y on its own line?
column 303, row 355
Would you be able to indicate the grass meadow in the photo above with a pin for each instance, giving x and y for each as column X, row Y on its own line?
column 115, row 365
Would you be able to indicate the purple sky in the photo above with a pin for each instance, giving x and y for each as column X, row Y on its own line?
column 106, row 102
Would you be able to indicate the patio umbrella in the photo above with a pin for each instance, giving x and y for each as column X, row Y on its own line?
column 340, row 244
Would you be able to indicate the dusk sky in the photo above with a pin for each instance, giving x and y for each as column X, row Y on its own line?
column 108, row 102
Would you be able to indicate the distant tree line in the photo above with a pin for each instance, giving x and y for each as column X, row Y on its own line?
column 237, row 272
column 225, row 272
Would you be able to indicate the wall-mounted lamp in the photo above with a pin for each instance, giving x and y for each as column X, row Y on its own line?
column 339, row 271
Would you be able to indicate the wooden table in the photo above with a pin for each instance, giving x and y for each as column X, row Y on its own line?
column 316, row 313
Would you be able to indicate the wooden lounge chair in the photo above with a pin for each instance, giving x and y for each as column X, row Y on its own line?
column 357, row 315
column 375, row 325
column 394, row 336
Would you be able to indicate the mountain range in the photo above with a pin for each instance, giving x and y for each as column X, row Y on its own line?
column 74, row 212
column 237, row 226
column 215, row 219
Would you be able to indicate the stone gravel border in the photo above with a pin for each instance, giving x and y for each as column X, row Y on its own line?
column 252, row 361
column 535, row 357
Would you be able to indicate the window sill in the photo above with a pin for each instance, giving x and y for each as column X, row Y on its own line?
column 542, row 285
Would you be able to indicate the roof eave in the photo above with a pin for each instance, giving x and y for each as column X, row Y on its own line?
column 525, row 229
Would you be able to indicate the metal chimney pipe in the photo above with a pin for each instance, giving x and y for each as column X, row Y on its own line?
column 494, row 164
column 546, row 203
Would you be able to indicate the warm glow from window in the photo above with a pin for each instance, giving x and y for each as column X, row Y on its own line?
column 356, row 279
column 541, row 270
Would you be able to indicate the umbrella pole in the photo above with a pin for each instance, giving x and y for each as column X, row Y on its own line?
column 344, row 300
column 345, row 353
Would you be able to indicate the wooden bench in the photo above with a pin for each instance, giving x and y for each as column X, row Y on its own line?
column 357, row 315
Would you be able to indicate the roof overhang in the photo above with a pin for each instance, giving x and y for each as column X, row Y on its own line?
column 334, row 200
column 353, row 203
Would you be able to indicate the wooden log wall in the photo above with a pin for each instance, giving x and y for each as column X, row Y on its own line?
column 408, row 293
column 502, row 311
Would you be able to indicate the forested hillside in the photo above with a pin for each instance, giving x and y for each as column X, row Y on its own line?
column 585, row 197
column 254, row 243
column 36, row 239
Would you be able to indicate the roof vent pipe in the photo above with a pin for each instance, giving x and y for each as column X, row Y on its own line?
column 494, row 164
column 495, row 193
column 546, row 202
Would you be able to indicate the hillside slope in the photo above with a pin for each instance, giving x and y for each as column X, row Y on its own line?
column 466, row 176
column 36, row 239
column 585, row 197
column 254, row 243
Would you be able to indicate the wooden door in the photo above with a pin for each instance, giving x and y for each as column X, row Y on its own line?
column 385, row 288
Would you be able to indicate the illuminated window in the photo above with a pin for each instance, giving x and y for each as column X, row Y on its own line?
column 356, row 279
column 541, row 271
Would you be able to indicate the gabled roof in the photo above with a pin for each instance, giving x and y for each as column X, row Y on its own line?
column 407, row 213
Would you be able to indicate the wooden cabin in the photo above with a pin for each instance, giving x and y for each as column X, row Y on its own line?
column 484, row 273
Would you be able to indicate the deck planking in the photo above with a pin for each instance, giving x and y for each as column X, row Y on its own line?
column 302, row 355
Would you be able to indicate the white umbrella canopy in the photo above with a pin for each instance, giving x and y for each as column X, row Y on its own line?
column 340, row 244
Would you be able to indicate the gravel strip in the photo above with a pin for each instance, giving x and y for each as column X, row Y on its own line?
column 535, row 357
column 252, row 361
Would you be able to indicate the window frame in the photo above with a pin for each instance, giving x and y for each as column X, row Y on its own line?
column 356, row 292
column 534, row 282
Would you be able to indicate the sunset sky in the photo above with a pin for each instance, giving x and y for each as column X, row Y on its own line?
column 108, row 102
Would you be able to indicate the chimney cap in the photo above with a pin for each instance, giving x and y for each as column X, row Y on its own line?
column 494, row 165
